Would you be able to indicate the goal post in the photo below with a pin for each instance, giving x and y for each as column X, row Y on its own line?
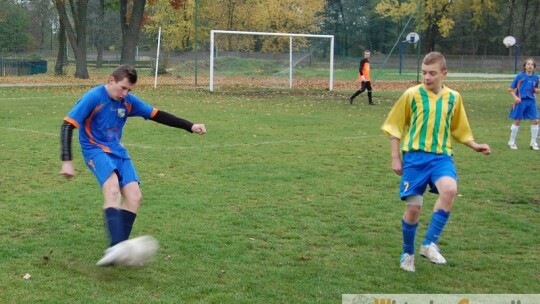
column 291, row 63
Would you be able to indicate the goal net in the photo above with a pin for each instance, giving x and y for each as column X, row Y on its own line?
column 271, row 60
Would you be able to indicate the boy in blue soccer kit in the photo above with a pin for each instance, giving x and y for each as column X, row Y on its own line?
column 522, row 89
column 100, row 116
column 421, row 127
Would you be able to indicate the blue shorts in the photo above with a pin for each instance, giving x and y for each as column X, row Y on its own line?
column 526, row 109
column 104, row 164
column 421, row 169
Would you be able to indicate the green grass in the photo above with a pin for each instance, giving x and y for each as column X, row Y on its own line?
column 289, row 198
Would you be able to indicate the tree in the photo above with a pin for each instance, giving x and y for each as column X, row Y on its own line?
column 131, row 21
column 289, row 16
column 434, row 18
column 176, row 22
column 14, row 23
column 101, row 32
column 76, row 33
column 43, row 13
column 298, row 16
column 61, row 56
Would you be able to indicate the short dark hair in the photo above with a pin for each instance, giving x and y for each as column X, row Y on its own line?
column 125, row 71
column 435, row 57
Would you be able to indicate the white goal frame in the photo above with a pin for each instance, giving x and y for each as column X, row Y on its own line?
column 331, row 37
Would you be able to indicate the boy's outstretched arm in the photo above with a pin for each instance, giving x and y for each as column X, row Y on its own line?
column 484, row 148
column 171, row 120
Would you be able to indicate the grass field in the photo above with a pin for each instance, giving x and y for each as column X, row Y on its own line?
column 289, row 198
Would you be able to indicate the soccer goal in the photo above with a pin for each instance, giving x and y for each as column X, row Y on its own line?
column 269, row 58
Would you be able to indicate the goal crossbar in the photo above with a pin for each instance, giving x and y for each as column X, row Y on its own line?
column 290, row 35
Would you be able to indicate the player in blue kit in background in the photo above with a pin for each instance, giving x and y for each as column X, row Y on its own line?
column 100, row 116
column 522, row 89
column 422, row 125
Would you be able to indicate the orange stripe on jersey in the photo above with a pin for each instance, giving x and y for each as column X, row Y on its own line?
column 128, row 107
column 154, row 112
column 88, row 130
column 72, row 121
column 518, row 87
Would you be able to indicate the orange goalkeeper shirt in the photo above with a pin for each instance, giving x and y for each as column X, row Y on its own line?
column 364, row 70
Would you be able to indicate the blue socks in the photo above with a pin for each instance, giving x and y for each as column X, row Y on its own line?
column 119, row 223
column 409, row 234
column 115, row 225
column 128, row 218
column 436, row 226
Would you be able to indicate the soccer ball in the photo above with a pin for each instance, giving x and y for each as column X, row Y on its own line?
column 138, row 251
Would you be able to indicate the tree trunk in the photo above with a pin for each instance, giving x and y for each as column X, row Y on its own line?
column 131, row 26
column 522, row 36
column 61, row 56
column 512, row 5
column 344, row 25
column 101, row 33
column 76, row 34
column 532, row 38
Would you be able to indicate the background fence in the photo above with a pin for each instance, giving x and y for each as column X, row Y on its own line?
column 26, row 64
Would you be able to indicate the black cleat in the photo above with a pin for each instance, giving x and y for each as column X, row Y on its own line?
column 350, row 100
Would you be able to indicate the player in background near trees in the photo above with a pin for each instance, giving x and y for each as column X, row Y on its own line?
column 100, row 115
column 422, row 125
column 522, row 89
column 365, row 79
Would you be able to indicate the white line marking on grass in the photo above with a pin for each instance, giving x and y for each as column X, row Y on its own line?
column 35, row 97
column 31, row 131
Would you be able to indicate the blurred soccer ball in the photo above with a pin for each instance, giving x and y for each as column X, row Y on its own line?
column 138, row 251
column 509, row 41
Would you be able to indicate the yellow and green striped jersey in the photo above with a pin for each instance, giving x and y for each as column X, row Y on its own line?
column 425, row 121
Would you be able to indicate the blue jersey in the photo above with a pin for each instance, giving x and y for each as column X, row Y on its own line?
column 525, row 85
column 101, row 119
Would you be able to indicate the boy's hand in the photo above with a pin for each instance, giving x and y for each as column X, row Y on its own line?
column 67, row 169
column 397, row 165
column 484, row 148
column 199, row 129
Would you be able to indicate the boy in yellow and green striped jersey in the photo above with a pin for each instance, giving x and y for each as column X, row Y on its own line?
column 422, row 125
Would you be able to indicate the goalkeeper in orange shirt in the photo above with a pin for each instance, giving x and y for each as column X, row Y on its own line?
column 364, row 78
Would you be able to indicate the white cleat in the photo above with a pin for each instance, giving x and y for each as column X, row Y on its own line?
column 406, row 262
column 512, row 145
column 112, row 255
column 534, row 146
column 432, row 252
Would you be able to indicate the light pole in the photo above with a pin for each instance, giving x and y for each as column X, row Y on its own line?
column 516, row 55
column 196, row 17
column 420, row 23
